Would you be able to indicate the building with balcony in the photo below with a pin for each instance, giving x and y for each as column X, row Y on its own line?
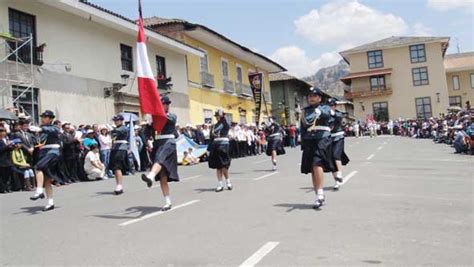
column 460, row 77
column 398, row 77
column 220, row 77
column 83, row 61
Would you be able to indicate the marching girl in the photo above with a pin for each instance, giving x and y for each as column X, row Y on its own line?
column 338, row 154
column 275, row 147
column 165, row 161
column 316, row 142
column 219, row 158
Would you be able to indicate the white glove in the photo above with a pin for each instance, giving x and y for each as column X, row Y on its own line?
column 318, row 113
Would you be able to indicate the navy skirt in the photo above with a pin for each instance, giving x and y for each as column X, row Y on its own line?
column 317, row 152
column 164, row 151
column 118, row 160
column 48, row 163
column 219, row 155
column 275, row 144
column 338, row 152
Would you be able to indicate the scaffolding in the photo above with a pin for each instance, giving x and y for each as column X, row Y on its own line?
column 16, row 71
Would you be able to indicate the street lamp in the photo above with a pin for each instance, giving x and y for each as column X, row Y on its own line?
column 112, row 90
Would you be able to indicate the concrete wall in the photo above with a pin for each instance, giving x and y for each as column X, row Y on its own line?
column 466, row 89
column 402, row 102
column 93, row 51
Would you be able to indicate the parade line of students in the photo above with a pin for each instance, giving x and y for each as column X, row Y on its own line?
column 322, row 144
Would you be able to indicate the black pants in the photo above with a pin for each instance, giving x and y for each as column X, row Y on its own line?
column 233, row 149
column 242, row 149
column 5, row 179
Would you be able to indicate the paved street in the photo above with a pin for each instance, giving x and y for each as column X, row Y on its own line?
column 407, row 202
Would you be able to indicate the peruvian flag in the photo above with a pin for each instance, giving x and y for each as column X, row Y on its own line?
column 150, row 100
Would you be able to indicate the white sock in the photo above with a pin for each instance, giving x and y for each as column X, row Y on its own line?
column 221, row 183
column 39, row 190
column 50, row 202
column 275, row 162
column 339, row 174
column 320, row 192
column 168, row 200
column 227, row 181
column 118, row 187
column 151, row 175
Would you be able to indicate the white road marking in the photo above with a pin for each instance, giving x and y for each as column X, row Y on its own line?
column 385, row 143
column 265, row 176
column 182, row 180
column 379, row 148
column 151, row 215
column 260, row 161
column 371, row 156
column 348, row 177
column 258, row 256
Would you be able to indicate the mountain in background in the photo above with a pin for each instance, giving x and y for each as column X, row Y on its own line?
column 328, row 79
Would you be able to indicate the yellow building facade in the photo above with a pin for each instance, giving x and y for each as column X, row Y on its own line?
column 220, row 78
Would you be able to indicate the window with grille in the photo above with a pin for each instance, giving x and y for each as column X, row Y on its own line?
column 22, row 25
column 377, row 83
column 126, row 57
column 455, row 101
column 423, row 107
column 207, row 115
column 417, row 53
column 380, row 110
column 375, row 59
column 225, row 68
column 456, row 82
column 420, row 76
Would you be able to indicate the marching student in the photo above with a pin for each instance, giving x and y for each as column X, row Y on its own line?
column 316, row 142
column 338, row 154
column 48, row 158
column 119, row 153
column 275, row 147
column 165, row 161
column 219, row 157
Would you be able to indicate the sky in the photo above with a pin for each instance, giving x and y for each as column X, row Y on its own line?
column 306, row 35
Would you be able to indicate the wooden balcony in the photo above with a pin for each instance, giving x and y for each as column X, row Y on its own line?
column 368, row 93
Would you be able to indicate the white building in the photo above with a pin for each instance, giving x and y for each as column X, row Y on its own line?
column 81, row 51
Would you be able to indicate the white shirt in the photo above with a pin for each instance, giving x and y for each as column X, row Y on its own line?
column 206, row 133
column 91, row 157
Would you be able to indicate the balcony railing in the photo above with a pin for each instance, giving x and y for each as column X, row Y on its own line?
column 228, row 86
column 368, row 93
column 207, row 79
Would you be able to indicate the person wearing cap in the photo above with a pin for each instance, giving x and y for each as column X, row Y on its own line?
column 316, row 142
column 105, row 142
column 89, row 140
column 274, row 133
column 119, row 152
column 165, row 160
column 219, row 158
column 48, row 159
column 21, row 166
column 337, row 135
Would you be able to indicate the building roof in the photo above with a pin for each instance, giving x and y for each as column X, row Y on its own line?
column 397, row 41
column 161, row 22
column 110, row 19
column 274, row 77
column 459, row 62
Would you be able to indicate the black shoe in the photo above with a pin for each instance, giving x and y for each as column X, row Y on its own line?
column 229, row 187
column 319, row 203
column 37, row 196
column 166, row 207
column 147, row 180
column 118, row 192
column 219, row 189
column 339, row 179
column 48, row 208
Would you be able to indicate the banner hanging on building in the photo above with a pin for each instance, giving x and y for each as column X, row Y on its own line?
column 256, row 83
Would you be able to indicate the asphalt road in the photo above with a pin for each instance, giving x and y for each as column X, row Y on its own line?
column 407, row 202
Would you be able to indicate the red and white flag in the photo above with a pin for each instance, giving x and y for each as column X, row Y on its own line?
column 150, row 100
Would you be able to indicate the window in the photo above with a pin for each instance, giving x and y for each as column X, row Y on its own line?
column 417, row 53
column 27, row 101
column 229, row 117
column 423, row 107
column 207, row 115
column 455, row 101
column 375, row 59
column 126, row 57
column 456, row 82
column 22, row 25
column 225, row 68
column 377, row 83
column 239, row 74
column 380, row 111
column 204, row 63
column 420, row 76
column 243, row 119
column 472, row 80
column 161, row 68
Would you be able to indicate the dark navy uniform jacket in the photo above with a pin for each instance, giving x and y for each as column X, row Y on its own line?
column 170, row 126
column 220, row 129
column 50, row 135
column 324, row 120
column 337, row 129
column 274, row 128
column 121, row 134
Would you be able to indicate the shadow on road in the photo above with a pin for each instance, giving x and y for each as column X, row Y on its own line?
column 267, row 170
column 295, row 206
column 31, row 210
column 310, row 189
column 204, row 190
column 135, row 212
